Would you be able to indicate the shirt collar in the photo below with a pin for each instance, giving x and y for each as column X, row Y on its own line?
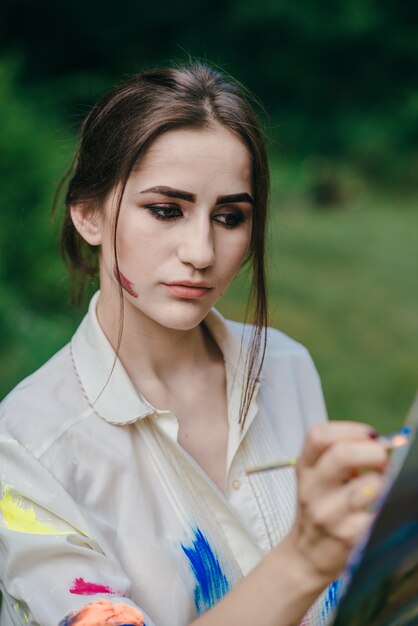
column 107, row 386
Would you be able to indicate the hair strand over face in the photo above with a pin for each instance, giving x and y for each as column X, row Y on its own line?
column 117, row 133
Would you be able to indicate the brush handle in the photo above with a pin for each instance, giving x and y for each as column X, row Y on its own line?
column 265, row 467
column 391, row 441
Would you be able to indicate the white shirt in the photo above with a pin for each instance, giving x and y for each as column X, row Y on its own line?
column 100, row 502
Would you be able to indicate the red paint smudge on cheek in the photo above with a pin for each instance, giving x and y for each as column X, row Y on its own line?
column 124, row 282
column 83, row 587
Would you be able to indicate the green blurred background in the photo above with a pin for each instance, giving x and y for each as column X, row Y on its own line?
column 339, row 81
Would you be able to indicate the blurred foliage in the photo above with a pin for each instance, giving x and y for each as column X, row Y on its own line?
column 34, row 150
column 334, row 75
column 339, row 82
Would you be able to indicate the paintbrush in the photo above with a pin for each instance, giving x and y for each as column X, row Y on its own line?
column 397, row 439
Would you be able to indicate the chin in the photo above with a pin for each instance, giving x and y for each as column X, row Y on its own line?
column 183, row 315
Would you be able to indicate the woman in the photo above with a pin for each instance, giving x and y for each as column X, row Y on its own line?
column 125, row 497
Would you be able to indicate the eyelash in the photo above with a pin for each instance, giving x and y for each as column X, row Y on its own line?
column 155, row 208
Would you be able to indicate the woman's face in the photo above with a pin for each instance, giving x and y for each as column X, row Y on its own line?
column 184, row 227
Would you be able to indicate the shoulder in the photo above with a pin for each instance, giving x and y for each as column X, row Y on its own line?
column 288, row 360
column 39, row 407
column 284, row 359
column 278, row 343
column 290, row 387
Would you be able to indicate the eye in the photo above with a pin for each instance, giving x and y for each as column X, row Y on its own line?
column 230, row 220
column 164, row 211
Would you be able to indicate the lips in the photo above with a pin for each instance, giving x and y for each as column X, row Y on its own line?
column 188, row 289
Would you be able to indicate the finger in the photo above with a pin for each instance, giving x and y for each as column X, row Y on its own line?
column 364, row 491
column 353, row 527
column 321, row 436
column 336, row 514
column 328, row 548
column 355, row 496
column 335, row 504
column 344, row 460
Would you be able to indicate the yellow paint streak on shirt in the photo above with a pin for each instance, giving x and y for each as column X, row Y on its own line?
column 23, row 519
column 21, row 611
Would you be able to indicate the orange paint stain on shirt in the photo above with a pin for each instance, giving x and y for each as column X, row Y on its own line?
column 103, row 612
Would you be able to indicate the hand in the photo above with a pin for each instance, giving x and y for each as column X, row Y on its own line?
column 334, row 494
column 333, row 497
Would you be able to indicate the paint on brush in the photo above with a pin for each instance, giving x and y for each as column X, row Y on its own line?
column 22, row 518
column 211, row 582
column 83, row 587
column 124, row 282
column 398, row 439
column 104, row 612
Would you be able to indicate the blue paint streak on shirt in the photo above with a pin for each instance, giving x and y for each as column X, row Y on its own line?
column 331, row 598
column 212, row 583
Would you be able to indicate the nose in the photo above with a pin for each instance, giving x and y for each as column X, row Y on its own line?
column 197, row 246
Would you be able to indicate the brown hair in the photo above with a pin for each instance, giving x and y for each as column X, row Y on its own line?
column 118, row 131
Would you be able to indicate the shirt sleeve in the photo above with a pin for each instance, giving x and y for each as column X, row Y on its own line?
column 311, row 396
column 53, row 570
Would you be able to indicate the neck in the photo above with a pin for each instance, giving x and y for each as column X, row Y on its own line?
column 147, row 349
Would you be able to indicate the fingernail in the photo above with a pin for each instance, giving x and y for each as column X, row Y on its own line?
column 369, row 491
column 373, row 434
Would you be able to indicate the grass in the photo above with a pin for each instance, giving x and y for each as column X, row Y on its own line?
column 342, row 281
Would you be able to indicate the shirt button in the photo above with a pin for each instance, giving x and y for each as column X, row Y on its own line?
column 236, row 484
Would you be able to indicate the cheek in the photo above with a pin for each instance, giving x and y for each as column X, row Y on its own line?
column 137, row 253
column 139, row 242
column 235, row 253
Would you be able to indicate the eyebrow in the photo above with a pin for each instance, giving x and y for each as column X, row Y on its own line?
column 235, row 197
column 170, row 192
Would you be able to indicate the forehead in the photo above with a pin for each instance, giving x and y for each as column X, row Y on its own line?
column 195, row 155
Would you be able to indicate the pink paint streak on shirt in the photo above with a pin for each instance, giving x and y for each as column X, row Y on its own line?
column 82, row 587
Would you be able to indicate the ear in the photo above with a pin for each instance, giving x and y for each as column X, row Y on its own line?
column 88, row 223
